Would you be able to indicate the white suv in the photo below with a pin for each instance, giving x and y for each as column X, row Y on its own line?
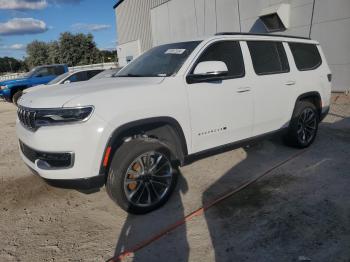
column 132, row 131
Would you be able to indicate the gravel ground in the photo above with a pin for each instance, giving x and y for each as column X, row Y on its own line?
column 297, row 212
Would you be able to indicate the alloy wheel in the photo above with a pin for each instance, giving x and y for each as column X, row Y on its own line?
column 148, row 179
column 307, row 126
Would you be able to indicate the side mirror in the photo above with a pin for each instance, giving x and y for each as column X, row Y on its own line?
column 66, row 82
column 208, row 71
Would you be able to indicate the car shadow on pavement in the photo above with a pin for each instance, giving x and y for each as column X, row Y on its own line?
column 298, row 213
column 268, row 220
column 138, row 228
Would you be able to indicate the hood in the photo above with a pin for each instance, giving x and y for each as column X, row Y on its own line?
column 14, row 81
column 35, row 88
column 59, row 95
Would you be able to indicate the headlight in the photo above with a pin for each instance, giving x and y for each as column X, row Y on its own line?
column 46, row 117
column 35, row 118
column 3, row 87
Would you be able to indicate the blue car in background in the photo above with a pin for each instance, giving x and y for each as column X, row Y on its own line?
column 11, row 90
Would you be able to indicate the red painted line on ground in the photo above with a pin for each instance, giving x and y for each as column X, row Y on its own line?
column 199, row 211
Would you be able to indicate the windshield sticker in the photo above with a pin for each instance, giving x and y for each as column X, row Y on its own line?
column 175, row 51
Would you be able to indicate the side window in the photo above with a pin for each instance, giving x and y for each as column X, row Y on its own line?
column 268, row 57
column 42, row 72
column 77, row 77
column 72, row 78
column 58, row 70
column 306, row 56
column 228, row 52
column 92, row 73
column 51, row 71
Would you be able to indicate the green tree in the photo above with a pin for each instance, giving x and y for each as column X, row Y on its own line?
column 54, row 55
column 10, row 64
column 108, row 56
column 78, row 49
column 37, row 53
column 70, row 49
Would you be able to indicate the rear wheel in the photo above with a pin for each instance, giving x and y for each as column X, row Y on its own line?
column 303, row 126
column 141, row 177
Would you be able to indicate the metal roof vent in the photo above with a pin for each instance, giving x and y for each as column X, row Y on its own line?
column 276, row 18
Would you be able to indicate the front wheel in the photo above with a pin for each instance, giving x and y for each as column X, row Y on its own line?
column 303, row 126
column 141, row 177
column 16, row 96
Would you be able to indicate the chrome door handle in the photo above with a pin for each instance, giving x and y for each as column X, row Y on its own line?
column 243, row 89
column 290, row 83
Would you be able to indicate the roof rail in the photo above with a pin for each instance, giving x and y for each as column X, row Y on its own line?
column 261, row 34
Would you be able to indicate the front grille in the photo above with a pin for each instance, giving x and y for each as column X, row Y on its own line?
column 55, row 160
column 26, row 117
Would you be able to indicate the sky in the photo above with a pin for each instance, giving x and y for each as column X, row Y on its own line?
column 22, row 21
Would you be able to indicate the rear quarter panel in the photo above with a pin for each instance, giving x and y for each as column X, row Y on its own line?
column 326, row 86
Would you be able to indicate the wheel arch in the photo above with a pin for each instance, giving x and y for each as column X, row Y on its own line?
column 314, row 97
column 15, row 89
column 167, row 129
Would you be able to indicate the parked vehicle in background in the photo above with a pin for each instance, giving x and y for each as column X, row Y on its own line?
column 106, row 73
column 11, row 90
column 75, row 76
column 174, row 102
column 69, row 77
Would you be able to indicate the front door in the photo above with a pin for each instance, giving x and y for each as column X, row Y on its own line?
column 221, row 111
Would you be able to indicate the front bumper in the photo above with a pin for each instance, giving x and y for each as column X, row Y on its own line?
column 83, row 184
column 84, row 141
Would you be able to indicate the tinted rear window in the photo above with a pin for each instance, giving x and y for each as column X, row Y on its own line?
column 306, row 56
column 268, row 57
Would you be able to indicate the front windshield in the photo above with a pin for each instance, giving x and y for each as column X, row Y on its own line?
column 106, row 74
column 31, row 72
column 161, row 61
column 58, row 79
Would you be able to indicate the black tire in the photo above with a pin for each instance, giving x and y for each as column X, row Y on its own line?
column 302, row 133
column 16, row 96
column 126, row 157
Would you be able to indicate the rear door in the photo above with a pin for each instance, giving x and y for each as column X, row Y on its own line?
column 221, row 111
column 273, row 85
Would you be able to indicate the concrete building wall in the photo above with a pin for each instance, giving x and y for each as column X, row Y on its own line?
column 128, row 52
column 161, row 21
column 331, row 26
column 134, row 24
